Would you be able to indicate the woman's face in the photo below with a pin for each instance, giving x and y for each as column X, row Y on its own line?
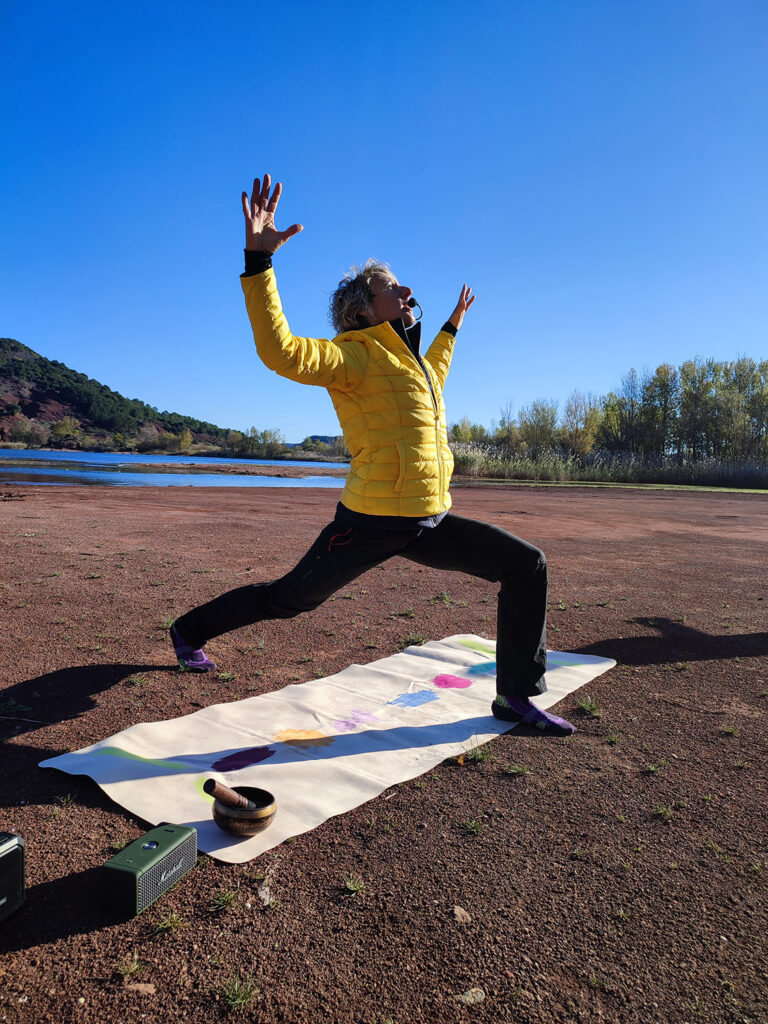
column 389, row 301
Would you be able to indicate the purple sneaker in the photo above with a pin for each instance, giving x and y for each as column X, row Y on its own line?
column 521, row 712
column 190, row 660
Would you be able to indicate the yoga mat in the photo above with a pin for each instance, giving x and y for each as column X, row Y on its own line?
column 321, row 747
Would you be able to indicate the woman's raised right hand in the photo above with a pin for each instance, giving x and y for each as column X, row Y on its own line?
column 261, row 235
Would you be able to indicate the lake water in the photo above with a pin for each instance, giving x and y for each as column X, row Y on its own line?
column 118, row 469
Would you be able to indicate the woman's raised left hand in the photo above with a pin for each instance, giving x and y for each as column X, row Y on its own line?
column 465, row 301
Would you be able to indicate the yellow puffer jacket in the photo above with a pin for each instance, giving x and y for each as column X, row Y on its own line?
column 392, row 425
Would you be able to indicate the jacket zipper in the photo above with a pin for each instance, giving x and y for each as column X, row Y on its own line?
column 437, row 414
column 437, row 429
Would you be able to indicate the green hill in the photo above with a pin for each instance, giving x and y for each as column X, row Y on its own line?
column 43, row 401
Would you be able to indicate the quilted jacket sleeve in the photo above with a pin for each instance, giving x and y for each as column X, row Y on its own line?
column 329, row 364
column 439, row 355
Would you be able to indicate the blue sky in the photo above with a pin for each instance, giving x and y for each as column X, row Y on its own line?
column 596, row 170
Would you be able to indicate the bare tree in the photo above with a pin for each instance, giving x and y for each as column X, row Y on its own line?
column 579, row 423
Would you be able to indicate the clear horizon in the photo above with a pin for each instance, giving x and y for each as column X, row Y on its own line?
column 596, row 172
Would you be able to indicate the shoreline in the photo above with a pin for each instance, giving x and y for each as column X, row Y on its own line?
column 286, row 468
column 304, row 456
column 162, row 469
column 305, row 472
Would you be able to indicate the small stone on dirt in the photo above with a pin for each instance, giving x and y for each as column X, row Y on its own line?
column 145, row 988
column 460, row 915
column 471, row 996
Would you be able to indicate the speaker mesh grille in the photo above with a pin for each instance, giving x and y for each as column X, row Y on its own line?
column 156, row 880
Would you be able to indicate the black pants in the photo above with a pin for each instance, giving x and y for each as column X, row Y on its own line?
column 343, row 552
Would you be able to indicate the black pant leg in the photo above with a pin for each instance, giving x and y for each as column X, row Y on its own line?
column 480, row 549
column 340, row 554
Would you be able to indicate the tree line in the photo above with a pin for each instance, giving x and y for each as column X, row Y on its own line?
column 702, row 410
column 271, row 444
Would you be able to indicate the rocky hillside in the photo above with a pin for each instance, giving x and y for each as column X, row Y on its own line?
column 43, row 401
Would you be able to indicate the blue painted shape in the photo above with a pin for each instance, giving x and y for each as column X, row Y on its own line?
column 485, row 668
column 413, row 700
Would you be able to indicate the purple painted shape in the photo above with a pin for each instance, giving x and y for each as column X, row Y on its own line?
column 446, row 682
column 242, row 759
column 353, row 720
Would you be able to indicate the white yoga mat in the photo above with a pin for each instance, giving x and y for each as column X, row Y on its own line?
column 321, row 747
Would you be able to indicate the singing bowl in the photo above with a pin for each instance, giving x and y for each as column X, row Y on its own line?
column 239, row 822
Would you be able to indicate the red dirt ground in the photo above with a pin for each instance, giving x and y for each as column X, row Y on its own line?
column 622, row 878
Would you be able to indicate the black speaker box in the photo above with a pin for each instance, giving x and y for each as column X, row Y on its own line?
column 12, row 878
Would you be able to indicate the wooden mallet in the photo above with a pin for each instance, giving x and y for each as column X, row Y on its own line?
column 227, row 796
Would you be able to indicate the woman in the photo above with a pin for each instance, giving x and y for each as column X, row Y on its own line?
column 396, row 500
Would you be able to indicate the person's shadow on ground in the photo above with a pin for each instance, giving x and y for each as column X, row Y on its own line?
column 673, row 641
column 61, row 695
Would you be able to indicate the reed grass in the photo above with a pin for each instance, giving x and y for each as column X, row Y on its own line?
column 492, row 462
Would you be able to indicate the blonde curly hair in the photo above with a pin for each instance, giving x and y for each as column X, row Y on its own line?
column 350, row 305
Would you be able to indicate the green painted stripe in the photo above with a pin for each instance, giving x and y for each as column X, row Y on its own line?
column 475, row 645
column 177, row 766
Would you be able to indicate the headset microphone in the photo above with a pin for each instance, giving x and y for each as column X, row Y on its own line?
column 413, row 304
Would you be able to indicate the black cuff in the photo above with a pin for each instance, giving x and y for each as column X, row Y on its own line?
column 256, row 262
column 448, row 326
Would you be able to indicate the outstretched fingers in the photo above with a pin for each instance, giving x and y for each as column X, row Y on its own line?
column 254, row 204
column 264, row 194
column 466, row 298
column 259, row 195
column 272, row 204
column 261, row 235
